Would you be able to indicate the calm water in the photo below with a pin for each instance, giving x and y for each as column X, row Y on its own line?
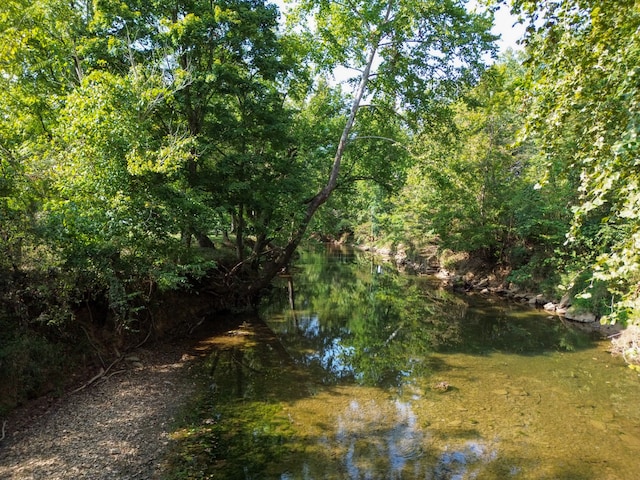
column 342, row 378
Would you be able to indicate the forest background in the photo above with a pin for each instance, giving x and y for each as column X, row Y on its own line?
column 155, row 150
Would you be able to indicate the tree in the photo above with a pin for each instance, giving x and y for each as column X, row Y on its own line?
column 38, row 67
column 583, row 64
column 147, row 120
column 412, row 59
column 478, row 180
column 39, row 64
column 376, row 160
column 97, row 179
column 232, row 67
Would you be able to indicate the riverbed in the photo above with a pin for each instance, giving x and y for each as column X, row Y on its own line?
column 352, row 370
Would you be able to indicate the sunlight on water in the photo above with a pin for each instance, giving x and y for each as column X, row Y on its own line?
column 502, row 417
column 382, row 376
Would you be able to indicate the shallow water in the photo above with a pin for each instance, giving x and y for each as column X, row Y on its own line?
column 364, row 373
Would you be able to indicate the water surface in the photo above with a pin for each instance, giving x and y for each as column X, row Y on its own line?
column 353, row 371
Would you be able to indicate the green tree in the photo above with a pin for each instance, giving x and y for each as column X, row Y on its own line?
column 233, row 72
column 412, row 57
column 39, row 64
column 115, row 189
column 583, row 64
column 91, row 180
column 509, row 213
column 142, row 121
column 475, row 188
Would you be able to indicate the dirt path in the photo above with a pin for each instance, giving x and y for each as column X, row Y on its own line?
column 117, row 429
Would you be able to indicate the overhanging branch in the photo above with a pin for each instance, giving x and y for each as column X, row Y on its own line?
column 378, row 137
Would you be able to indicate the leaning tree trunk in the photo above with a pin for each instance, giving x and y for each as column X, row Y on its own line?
column 272, row 268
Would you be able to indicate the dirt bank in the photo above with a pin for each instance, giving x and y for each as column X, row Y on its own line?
column 116, row 428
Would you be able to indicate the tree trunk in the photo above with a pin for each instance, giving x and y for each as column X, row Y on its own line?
column 239, row 227
column 272, row 268
column 204, row 241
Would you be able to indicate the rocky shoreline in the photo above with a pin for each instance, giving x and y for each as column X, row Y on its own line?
column 484, row 283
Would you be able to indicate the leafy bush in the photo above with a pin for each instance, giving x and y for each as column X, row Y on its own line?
column 30, row 365
column 589, row 294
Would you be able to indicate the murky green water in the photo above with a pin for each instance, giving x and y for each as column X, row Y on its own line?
column 375, row 375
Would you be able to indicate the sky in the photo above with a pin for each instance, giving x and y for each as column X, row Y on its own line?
column 509, row 33
column 504, row 25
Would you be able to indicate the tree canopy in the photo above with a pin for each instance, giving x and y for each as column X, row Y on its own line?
column 131, row 128
column 583, row 59
column 145, row 144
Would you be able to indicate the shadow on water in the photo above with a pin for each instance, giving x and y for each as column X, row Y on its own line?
column 373, row 375
column 247, row 426
column 358, row 319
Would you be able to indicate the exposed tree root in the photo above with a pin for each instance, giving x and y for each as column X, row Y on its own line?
column 627, row 345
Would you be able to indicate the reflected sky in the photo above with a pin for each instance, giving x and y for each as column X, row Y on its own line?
column 349, row 385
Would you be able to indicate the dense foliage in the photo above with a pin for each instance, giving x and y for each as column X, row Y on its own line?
column 539, row 169
column 474, row 186
column 139, row 137
column 582, row 69
column 129, row 129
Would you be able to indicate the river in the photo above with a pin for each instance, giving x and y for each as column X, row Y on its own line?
column 355, row 371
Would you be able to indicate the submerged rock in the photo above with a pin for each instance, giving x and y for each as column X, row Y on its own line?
column 583, row 317
column 441, row 386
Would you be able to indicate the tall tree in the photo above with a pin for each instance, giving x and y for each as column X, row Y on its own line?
column 232, row 67
column 412, row 57
column 40, row 62
column 584, row 57
column 178, row 116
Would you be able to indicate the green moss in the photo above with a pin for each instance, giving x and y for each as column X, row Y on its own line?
column 228, row 439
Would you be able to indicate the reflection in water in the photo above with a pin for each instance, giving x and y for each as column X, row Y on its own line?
column 405, row 440
column 456, row 464
column 349, row 386
column 309, row 325
column 362, row 434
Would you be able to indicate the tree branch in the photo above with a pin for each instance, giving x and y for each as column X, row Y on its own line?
column 324, row 194
column 377, row 137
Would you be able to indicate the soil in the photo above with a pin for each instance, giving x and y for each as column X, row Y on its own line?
column 116, row 428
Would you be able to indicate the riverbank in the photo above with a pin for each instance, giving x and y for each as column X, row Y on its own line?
column 464, row 274
column 120, row 426
column 115, row 429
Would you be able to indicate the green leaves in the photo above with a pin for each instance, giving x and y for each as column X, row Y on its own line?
column 583, row 67
column 127, row 127
column 423, row 49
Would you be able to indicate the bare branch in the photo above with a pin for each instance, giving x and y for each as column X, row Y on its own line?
column 378, row 137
